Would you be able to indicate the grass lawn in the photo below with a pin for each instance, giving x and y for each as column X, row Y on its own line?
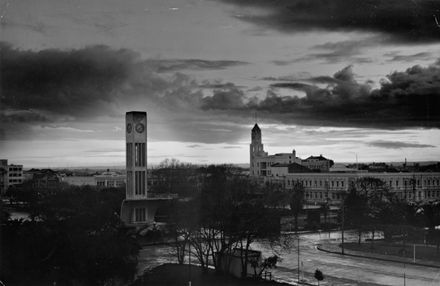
column 397, row 249
column 178, row 275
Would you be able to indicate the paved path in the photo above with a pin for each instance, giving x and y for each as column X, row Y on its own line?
column 338, row 269
column 360, row 271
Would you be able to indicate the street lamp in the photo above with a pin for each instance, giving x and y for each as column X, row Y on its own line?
column 298, row 260
column 189, row 262
column 343, row 221
column 404, row 274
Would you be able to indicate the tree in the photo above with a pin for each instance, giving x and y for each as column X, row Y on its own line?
column 267, row 263
column 184, row 220
column 228, row 218
column 325, row 209
column 318, row 275
column 275, row 196
column 368, row 202
column 356, row 210
column 252, row 221
column 296, row 201
column 77, row 237
column 174, row 177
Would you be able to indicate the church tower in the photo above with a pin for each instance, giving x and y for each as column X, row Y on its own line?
column 256, row 148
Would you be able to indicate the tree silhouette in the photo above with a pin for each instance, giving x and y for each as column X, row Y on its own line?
column 318, row 275
column 296, row 201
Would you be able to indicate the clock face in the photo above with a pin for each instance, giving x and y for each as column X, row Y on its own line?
column 129, row 128
column 140, row 127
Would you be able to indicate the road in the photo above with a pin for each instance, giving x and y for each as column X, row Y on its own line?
column 338, row 269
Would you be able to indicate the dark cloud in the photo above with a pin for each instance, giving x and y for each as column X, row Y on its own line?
column 280, row 78
column 403, row 20
column 50, row 84
column 292, row 85
column 67, row 86
column 230, row 97
column 342, row 51
column 397, row 144
column 323, row 79
column 22, row 116
column 335, row 57
column 283, row 62
column 218, row 85
column 65, row 82
column 333, row 52
column 405, row 99
column 56, row 93
column 172, row 65
column 395, row 57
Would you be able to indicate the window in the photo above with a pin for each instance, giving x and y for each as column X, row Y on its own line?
column 139, row 182
column 129, row 154
column 139, row 214
column 130, row 181
column 140, row 154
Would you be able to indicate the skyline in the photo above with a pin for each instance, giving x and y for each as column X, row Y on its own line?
column 321, row 80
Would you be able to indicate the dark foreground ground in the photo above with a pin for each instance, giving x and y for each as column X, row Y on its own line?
column 178, row 275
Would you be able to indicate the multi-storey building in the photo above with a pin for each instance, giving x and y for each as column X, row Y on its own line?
column 15, row 174
column 260, row 161
column 3, row 176
column 44, row 178
column 10, row 175
column 110, row 180
column 325, row 183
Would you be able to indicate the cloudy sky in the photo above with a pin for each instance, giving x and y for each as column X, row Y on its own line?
column 334, row 77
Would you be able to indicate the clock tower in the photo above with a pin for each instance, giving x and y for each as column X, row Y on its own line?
column 136, row 154
column 139, row 208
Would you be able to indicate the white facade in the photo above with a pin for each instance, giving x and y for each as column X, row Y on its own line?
column 330, row 186
column 260, row 161
column 110, row 180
